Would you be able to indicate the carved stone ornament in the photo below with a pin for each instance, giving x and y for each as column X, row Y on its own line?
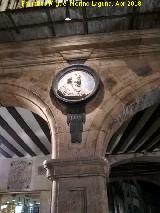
column 60, row 168
column 74, row 86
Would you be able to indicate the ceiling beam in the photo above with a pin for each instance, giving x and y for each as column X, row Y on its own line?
column 44, row 126
column 87, row 19
column 127, row 143
column 85, row 23
column 13, row 23
column 113, row 144
column 48, row 12
column 150, row 131
column 153, row 144
column 14, row 135
column 27, row 130
column 10, row 146
column 4, row 153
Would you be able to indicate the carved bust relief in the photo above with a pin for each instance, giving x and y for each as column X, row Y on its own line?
column 75, row 83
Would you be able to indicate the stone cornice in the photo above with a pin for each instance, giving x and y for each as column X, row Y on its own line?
column 75, row 168
column 55, row 50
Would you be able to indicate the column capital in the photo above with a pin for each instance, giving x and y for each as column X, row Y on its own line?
column 60, row 168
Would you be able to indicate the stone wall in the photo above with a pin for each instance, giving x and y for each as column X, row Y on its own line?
column 128, row 65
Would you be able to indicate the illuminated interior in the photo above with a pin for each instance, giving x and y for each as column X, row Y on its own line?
column 20, row 203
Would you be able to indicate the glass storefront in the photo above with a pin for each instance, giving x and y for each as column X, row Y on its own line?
column 19, row 203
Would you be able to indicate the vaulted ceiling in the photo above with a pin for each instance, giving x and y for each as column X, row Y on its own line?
column 23, row 133
column 19, row 24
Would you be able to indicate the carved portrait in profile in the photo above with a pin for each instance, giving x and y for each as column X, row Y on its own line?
column 76, row 85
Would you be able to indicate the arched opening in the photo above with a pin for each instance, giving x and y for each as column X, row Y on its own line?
column 140, row 134
column 13, row 95
column 25, row 142
column 133, row 196
column 133, row 154
column 27, row 138
column 119, row 109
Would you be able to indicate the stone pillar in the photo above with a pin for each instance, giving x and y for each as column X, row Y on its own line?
column 79, row 186
column 45, row 201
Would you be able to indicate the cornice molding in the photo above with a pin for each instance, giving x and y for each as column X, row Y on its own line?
column 75, row 168
column 62, row 49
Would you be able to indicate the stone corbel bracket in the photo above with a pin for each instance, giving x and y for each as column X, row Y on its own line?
column 75, row 168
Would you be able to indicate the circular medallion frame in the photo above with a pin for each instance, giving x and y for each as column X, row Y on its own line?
column 75, row 84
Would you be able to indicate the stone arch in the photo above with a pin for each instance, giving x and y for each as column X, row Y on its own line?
column 118, row 109
column 12, row 94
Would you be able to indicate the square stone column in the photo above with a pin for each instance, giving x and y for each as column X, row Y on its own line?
column 79, row 186
column 45, row 201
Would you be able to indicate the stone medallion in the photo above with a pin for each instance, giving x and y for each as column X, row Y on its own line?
column 75, row 83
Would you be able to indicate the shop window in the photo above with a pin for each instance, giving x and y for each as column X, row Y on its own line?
column 20, row 203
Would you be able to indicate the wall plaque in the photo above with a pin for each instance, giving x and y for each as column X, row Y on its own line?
column 20, row 175
column 74, row 86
